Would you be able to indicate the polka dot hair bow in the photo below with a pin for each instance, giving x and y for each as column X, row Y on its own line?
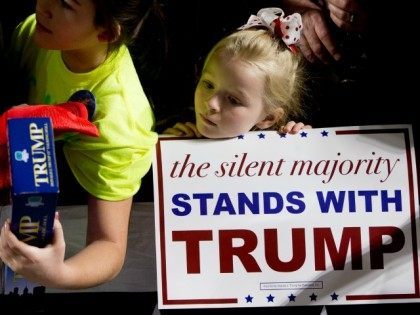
column 288, row 28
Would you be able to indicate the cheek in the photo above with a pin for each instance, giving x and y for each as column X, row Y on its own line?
column 197, row 99
column 239, row 115
column 200, row 98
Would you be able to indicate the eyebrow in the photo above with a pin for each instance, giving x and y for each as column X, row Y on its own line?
column 77, row 2
column 242, row 94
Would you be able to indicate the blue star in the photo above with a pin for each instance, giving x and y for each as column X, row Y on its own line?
column 240, row 137
column 324, row 133
column 313, row 297
column 292, row 298
column 261, row 136
column 270, row 298
column 334, row 296
column 282, row 135
column 249, row 298
column 303, row 134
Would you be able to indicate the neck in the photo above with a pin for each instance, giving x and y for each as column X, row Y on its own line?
column 85, row 60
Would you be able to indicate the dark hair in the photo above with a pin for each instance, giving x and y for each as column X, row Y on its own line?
column 128, row 14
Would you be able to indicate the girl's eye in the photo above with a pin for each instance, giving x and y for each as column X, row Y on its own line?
column 208, row 85
column 66, row 5
column 234, row 100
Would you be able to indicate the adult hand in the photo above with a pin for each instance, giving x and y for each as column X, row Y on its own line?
column 348, row 15
column 317, row 42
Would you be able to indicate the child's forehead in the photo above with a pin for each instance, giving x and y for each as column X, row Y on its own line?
column 230, row 65
column 234, row 75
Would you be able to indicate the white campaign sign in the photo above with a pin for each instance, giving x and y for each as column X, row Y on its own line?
column 327, row 216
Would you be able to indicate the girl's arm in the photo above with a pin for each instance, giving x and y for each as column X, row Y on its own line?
column 187, row 129
column 100, row 261
column 106, row 239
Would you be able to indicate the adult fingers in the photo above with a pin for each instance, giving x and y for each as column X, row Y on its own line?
column 319, row 37
column 325, row 37
column 306, row 50
column 349, row 15
column 343, row 19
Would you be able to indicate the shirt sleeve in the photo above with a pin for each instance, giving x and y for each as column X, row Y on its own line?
column 111, row 167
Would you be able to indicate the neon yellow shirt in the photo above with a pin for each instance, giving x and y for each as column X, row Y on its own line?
column 109, row 167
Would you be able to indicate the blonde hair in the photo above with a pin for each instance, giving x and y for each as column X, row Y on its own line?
column 284, row 70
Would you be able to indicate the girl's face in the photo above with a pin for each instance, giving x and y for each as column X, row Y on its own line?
column 229, row 98
column 66, row 24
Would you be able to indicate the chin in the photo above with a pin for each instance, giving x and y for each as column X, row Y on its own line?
column 206, row 132
column 41, row 41
column 214, row 134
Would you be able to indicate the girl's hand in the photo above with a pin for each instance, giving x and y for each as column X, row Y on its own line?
column 293, row 127
column 187, row 129
column 44, row 266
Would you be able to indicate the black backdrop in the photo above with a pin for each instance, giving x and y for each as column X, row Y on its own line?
column 168, row 56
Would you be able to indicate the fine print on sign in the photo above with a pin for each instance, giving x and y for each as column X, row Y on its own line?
column 327, row 216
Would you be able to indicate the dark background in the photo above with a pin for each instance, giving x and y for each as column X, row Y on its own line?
column 168, row 55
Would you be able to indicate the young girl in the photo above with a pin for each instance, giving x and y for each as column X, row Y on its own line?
column 71, row 45
column 251, row 79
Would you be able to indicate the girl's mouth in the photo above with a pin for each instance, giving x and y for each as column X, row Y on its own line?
column 207, row 121
column 42, row 28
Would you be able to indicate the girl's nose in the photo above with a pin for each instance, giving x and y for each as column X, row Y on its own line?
column 213, row 105
column 43, row 7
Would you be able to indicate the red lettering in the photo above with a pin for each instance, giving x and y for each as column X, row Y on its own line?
column 227, row 250
column 272, row 250
column 351, row 236
column 192, row 244
column 377, row 246
column 188, row 167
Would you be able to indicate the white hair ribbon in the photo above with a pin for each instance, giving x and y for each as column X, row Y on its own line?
column 288, row 28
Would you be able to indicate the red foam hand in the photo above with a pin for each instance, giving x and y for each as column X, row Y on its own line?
column 65, row 117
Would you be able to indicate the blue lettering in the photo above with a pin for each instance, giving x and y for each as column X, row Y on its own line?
column 253, row 206
column 224, row 204
column 331, row 198
column 203, row 201
column 178, row 200
column 295, row 201
column 387, row 200
column 267, row 196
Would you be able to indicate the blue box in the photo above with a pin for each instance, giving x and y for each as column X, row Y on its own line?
column 34, row 192
column 34, row 179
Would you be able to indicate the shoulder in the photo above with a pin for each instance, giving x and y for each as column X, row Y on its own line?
column 122, row 82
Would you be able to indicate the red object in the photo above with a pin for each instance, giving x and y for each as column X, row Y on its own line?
column 65, row 117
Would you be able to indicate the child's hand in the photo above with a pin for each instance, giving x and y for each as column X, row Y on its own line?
column 293, row 127
column 187, row 129
column 44, row 266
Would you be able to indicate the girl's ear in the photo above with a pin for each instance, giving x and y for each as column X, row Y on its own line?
column 110, row 36
column 271, row 118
